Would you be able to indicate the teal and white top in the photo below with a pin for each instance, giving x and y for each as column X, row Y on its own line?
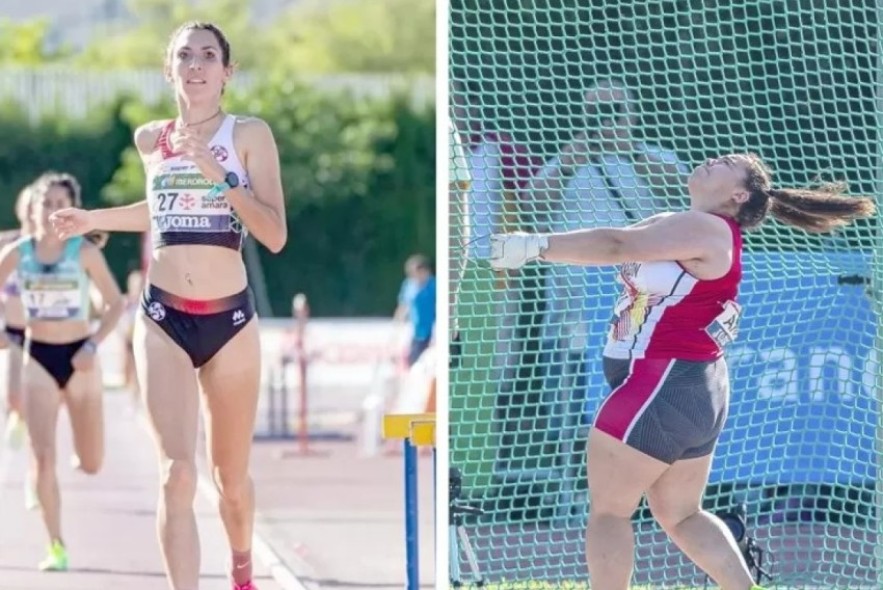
column 57, row 291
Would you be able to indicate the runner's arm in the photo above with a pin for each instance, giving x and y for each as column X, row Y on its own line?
column 128, row 218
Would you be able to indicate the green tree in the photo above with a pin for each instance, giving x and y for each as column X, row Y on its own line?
column 24, row 43
column 144, row 45
column 88, row 148
column 372, row 36
column 312, row 37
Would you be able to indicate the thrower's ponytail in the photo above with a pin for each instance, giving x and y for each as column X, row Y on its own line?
column 819, row 210
column 815, row 210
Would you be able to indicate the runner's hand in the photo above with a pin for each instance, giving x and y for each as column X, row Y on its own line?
column 71, row 222
column 195, row 149
column 84, row 359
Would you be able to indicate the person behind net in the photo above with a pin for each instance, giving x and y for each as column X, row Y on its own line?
column 211, row 178
column 60, row 361
column 14, row 327
column 656, row 431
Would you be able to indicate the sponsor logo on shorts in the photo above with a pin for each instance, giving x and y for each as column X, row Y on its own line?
column 238, row 317
column 156, row 311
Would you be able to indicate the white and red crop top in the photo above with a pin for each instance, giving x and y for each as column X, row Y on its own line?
column 183, row 209
column 665, row 312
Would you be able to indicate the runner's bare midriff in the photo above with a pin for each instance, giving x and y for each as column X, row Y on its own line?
column 59, row 331
column 198, row 271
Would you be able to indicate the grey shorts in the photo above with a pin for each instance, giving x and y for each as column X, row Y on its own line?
column 666, row 408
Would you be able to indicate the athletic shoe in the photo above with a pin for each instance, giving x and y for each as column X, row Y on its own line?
column 56, row 561
column 246, row 586
column 15, row 431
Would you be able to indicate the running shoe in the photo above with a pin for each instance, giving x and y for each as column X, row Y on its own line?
column 56, row 561
column 246, row 586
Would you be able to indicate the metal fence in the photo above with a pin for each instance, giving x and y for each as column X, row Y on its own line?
column 73, row 93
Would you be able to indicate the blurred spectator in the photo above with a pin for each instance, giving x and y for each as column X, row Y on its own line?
column 604, row 176
column 417, row 304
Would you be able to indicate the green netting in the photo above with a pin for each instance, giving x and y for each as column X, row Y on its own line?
column 793, row 80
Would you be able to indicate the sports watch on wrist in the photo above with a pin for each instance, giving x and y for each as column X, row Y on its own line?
column 231, row 180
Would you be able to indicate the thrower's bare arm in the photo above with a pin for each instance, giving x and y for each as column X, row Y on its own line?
column 690, row 235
